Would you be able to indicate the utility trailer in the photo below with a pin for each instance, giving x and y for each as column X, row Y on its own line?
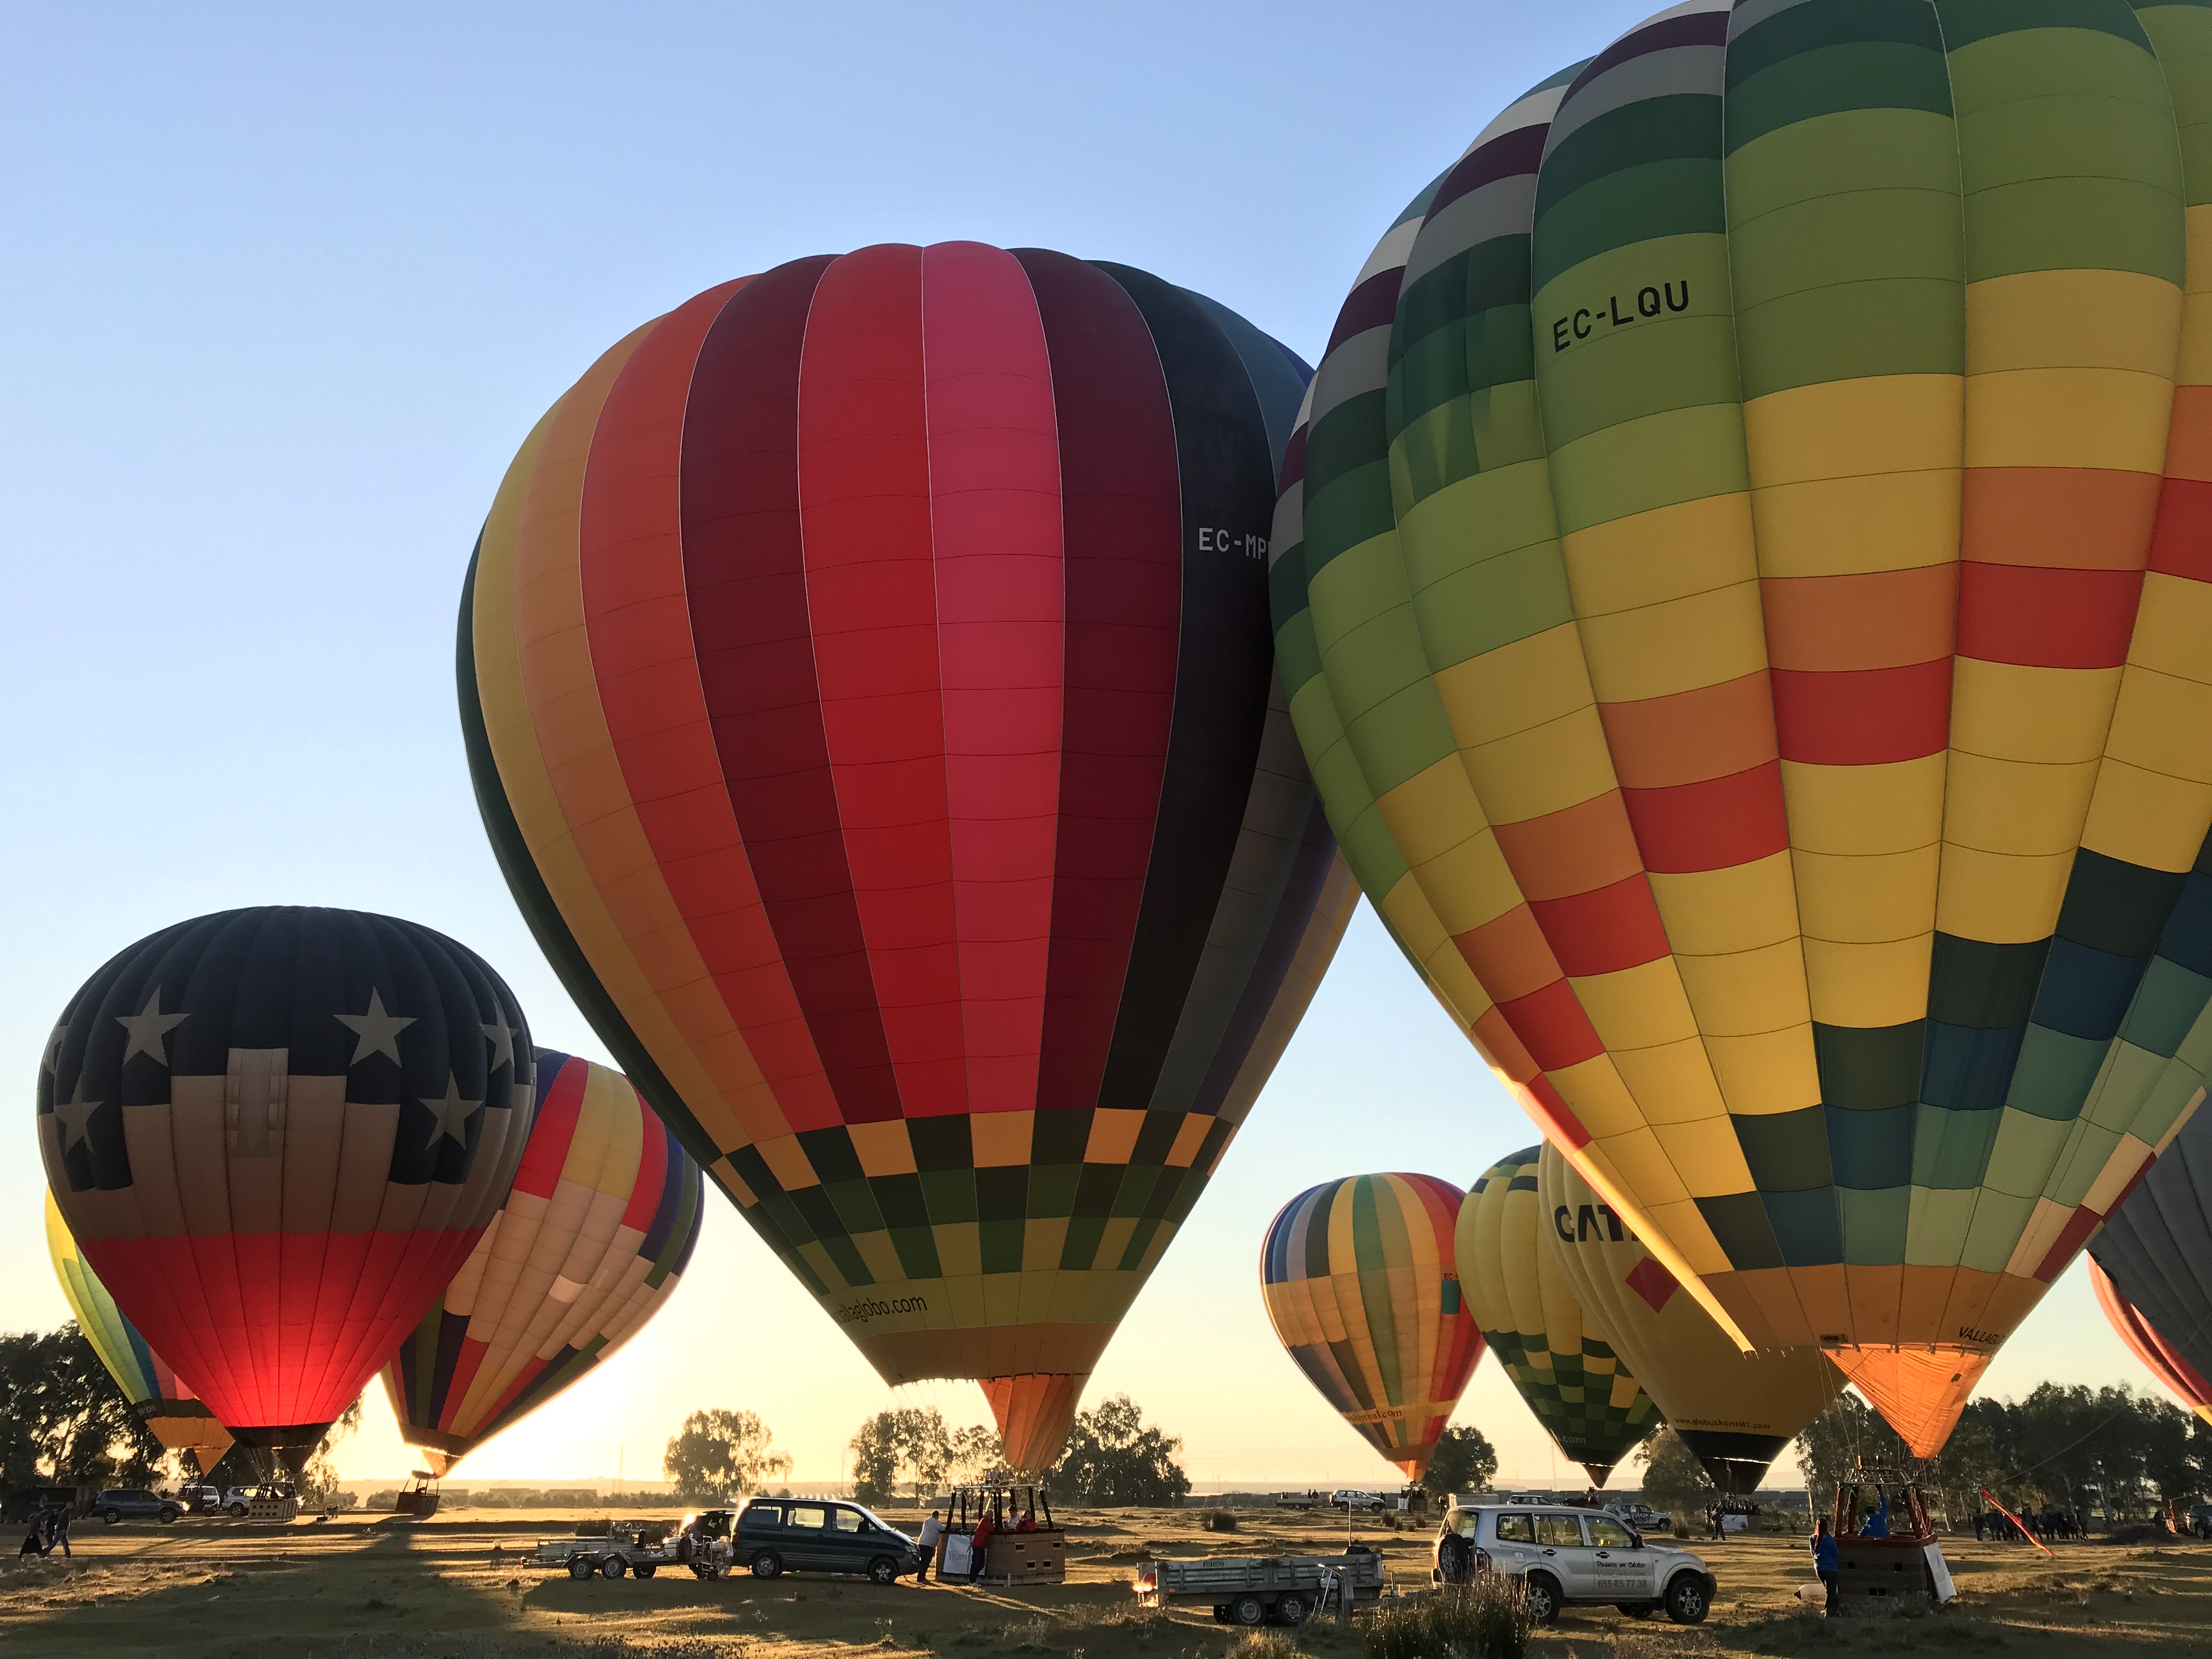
column 641, row 1549
column 1280, row 1590
column 1300, row 1500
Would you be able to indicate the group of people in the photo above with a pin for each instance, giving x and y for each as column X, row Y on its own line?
column 979, row 1541
column 2045, row 1523
column 49, row 1531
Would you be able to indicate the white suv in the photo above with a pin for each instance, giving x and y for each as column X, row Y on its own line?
column 1346, row 1499
column 1568, row 1557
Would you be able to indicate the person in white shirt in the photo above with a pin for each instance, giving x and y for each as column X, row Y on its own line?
column 932, row 1530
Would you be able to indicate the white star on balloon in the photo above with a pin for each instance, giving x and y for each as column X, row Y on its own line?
column 378, row 1032
column 75, row 1114
column 502, row 1044
column 149, row 1029
column 452, row 1114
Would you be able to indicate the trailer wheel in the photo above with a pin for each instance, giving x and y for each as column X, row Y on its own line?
column 581, row 1566
column 1247, row 1610
column 768, row 1564
column 646, row 1568
column 612, row 1566
column 1291, row 1609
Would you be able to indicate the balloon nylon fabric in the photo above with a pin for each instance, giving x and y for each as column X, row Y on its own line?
column 1580, row 1388
column 1735, row 1411
column 1742, row 595
column 167, row 1405
column 2154, row 1257
column 275, row 1134
column 1360, row 1286
column 867, row 680
column 604, row 1213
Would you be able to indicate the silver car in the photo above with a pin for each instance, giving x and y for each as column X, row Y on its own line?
column 1569, row 1558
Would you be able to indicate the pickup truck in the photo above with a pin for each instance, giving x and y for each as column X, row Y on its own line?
column 1279, row 1589
column 701, row 1542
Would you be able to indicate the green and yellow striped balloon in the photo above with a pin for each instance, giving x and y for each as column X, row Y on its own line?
column 1741, row 583
column 1530, row 1317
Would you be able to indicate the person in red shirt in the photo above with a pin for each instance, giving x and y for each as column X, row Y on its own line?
column 1027, row 1523
column 980, row 1546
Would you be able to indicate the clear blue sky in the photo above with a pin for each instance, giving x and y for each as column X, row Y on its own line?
column 286, row 286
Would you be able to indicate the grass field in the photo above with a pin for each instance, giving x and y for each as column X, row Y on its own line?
column 381, row 1587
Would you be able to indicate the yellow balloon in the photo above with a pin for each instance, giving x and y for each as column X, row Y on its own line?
column 1586, row 1398
column 1735, row 1411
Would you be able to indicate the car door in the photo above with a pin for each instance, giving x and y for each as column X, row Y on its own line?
column 854, row 1539
column 1559, row 1547
column 807, row 1542
column 1619, row 1565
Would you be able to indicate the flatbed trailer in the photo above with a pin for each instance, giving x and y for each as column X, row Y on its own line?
column 1280, row 1590
column 1300, row 1500
column 628, row 1551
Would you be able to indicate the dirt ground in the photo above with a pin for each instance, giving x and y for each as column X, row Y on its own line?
column 383, row 1587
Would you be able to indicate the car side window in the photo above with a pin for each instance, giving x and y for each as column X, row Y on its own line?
column 764, row 1515
column 808, row 1516
column 1516, row 1529
column 849, row 1520
column 1608, row 1535
column 1558, row 1531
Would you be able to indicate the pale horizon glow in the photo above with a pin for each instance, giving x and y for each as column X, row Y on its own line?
column 289, row 286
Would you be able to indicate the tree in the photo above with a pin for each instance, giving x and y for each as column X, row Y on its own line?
column 62, row 1419
column 1464, row 1460
column 1113, row 1458
column 976, row 1451
column 720, row 1454
column 911, row 1443
column 1674, row 1479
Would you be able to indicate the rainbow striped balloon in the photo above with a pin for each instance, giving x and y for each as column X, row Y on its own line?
column 601, row 1223
column 1361, row 1290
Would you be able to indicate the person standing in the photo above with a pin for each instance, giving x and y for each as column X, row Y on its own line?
column 932, row 1530
column 58, row 1532
column 34, row 1540
column 1824, row 1563
column 980, row 1546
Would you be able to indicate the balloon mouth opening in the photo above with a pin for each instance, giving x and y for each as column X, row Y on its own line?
column 293, row 1443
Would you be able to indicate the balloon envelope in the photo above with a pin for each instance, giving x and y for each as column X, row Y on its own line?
column 1741, row 594
column 2152, row 1264
column 168, row 1407
column 867, row 682
column 603, row 1214
column 275, row 1134
column 1735, row 1411
column 1557, row 1356
column 1360, row 1286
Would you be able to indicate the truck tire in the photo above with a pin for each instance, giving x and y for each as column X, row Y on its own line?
column 581, row 1566
column 1291, row 1609
column 1247, row 1610
column 883, row 1571
column 646, row 1568
column 612, row 1566
column 768, row 1564
column 1544, row 1597
column 1688, row 1600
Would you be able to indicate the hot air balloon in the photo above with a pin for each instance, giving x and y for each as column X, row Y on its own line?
column 867, row 679
column 1360, row 1284
column 2162, row 1359
column 2152, row 1264
column 1557, row 1356
column 1741, row 585
column 275, row 1134
column 601, row 1222
column 1735, row 1411
column 169, row 1408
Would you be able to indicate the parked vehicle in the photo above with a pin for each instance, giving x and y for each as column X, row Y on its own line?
column 135, row 1503
column 1346, row 1499
column 200, row 1496
column 1567, row 1556
column 1281, row 1589
column 2200, row 1521
column 776, row 1535
column 1640, row 1519
column 263, row 1503
column 1299, row 1500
